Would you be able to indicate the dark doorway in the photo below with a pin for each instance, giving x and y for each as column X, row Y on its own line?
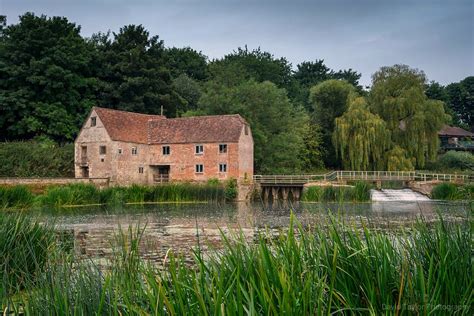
column 85, row 172
column 161, row 173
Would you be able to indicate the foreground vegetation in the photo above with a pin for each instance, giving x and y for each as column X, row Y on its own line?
column 451, row 191
column 334, row 268
column 21, row 197
column 360, row 192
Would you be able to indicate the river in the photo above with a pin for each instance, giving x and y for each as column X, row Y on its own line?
column 181, row 226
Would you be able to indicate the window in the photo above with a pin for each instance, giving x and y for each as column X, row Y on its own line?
column 140, row 169
column 134, row 151
column 199, row 168
column 102, row 150
column 199, row 149
column 246, row 129
column 222, row 148
column 102, row 159
column 222, row 167
column 166, row 150
column 93, row 121
column 120, row 151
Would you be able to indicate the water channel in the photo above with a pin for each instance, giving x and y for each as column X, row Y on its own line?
column 180, row 226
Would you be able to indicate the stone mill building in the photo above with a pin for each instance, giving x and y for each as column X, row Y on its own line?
column 129, row 148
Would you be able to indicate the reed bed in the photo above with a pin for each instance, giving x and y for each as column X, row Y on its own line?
column 21, row 197
column 451, row 191
column 360, row 192
column 25, row 248
column 331, row 269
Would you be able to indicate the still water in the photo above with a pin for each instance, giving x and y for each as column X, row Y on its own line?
column 181, row 227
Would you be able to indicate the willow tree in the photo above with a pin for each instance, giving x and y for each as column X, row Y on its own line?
column 398, row 97
column 361, row 138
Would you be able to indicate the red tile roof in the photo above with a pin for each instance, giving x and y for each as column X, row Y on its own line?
column 156, row 129
column 454, row 132
column 126, row 126
column 197, row 129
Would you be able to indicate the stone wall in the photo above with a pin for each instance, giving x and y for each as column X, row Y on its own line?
column 99, row 182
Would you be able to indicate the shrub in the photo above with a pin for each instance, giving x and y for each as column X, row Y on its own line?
column 456, row 160
column 231, row 190
column 36, row 159
column 445, row 191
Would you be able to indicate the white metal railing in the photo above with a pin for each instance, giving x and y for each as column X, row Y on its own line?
column 362, row 176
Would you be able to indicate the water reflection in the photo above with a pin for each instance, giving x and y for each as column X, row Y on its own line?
column 181, row 226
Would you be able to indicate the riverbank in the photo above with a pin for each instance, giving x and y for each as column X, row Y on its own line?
column 23, row 197
column 300, row 271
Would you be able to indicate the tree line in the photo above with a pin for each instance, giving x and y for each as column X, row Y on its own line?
column 303, row 119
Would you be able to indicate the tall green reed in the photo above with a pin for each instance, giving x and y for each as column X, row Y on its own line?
column 334, row 268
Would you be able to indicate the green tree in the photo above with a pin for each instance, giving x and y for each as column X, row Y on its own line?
column 189, row 90
column 330, row 99
column 47, row 84
column 187, row 61
column 361, row 138
column 278, row 128
column 398, row 97
column 244, row 64
column 461, row 100
column 135, row 73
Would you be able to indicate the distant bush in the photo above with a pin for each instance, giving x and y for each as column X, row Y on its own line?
column 231, row 190
column 458, row 160
column 36, row 159
column 450, row 191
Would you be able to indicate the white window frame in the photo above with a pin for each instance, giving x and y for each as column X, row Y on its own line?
column 141, row 170
column 223, row 167
column 119, row 151
column 199, row 149
column 134, row 151
column 168, row 151
column 199, row 168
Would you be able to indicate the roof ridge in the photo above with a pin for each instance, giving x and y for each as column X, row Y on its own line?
column 128, row 112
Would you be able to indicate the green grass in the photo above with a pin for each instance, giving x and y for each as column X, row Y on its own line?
column 16, row 196
column 334, row 268
column 451, row 191
column 360, row 192
column 21, row 197
column 25, row 247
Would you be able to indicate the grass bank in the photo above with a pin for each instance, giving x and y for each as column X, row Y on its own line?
column 333, row 269
column 451, row 191
column 21, row 197
column 360, row 192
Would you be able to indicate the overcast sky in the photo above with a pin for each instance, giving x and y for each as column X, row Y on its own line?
column 435, row 36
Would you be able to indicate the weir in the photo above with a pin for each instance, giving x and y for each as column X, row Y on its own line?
column 391, row 195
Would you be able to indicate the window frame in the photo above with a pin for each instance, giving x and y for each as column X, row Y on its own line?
column 141, row 170
column 134, row 151
column 199, row 168
column 223, row 148
column 93, row 121
column 223, row 167
column 102, row 150
column 165, row 152
column 199, row 152
column 119, row 151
